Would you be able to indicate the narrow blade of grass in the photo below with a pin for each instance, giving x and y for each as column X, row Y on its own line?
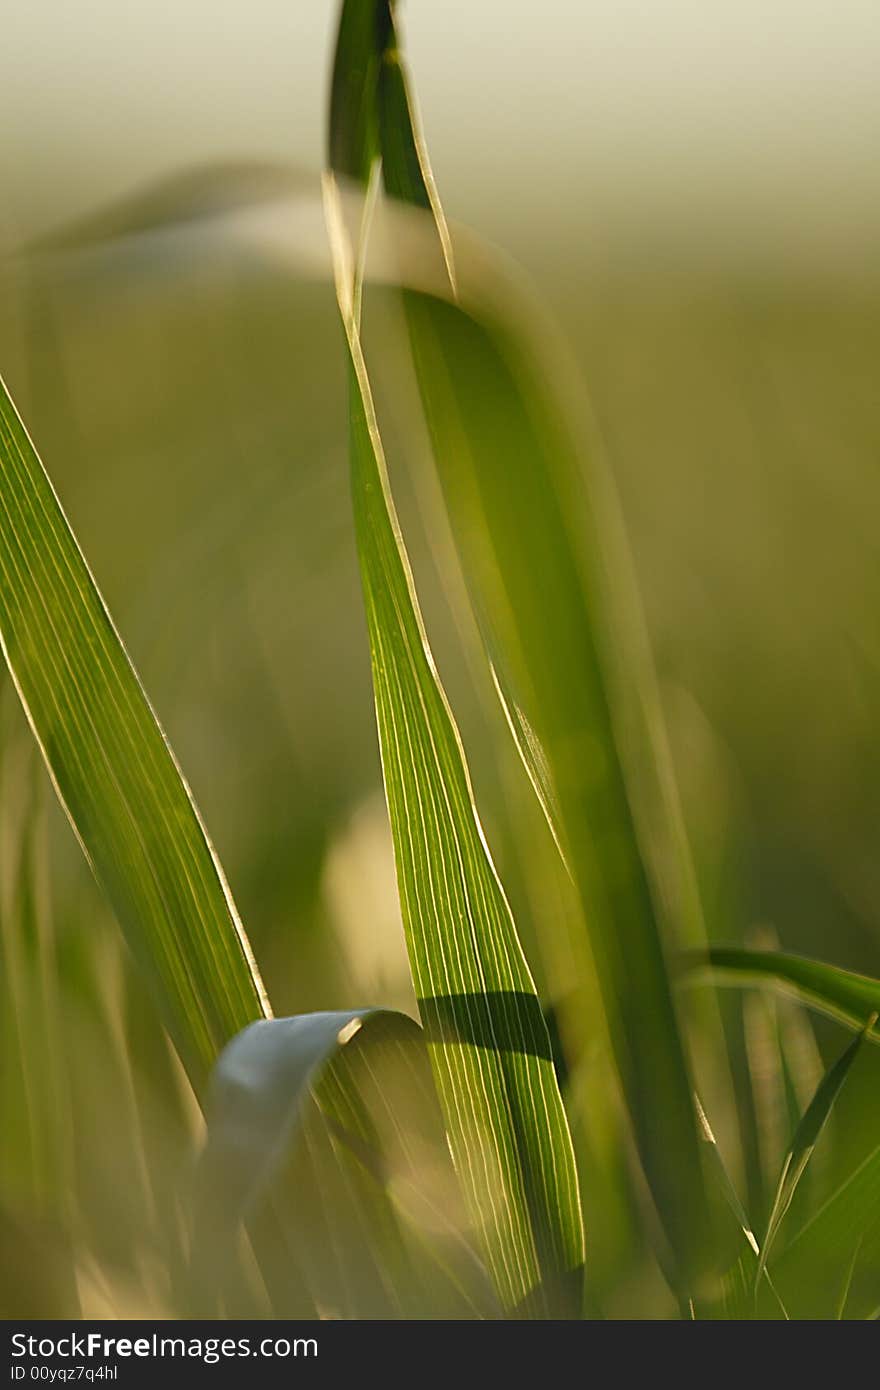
column 806, row 1136
column 113, row 770
column 841, row 994
column 487, row 1039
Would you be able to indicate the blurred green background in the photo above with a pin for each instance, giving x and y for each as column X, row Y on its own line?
column 695, row 193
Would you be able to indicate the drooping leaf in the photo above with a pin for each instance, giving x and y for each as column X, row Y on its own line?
column 113, row 770
column 258, row 1090
column 341, row 1106
column 841, row 994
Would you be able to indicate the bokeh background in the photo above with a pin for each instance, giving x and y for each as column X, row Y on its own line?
column 695, row 193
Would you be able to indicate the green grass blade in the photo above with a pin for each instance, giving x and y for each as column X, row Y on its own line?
column 487, row 1038
column 841, row 994
column 476, row 996
column 806, row 1136
column 512, row 481
column 353, row 125
column 112, row 768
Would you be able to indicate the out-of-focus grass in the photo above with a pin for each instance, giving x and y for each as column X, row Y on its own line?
column 190, row 415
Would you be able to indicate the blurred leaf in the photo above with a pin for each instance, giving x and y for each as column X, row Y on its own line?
column 513, row 484
column 805, row 1138
column 34, row 1100
column 841, row 994
column 484, row 434
column 258, row 1090
column 784, row 1069
column 765, row 1080
column 342, row 1104
column 189, row 197
column 112, row 768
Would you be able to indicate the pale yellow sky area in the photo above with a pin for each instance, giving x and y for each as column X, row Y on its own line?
column 750, row 125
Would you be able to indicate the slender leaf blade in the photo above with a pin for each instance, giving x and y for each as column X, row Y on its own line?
column 113, row 769
column 487, row 1038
